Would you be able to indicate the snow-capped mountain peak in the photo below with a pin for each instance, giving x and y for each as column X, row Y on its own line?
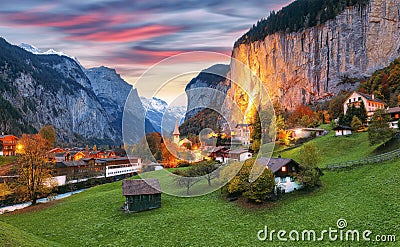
column 30, row 48
column 37, row 51
column 159, row 113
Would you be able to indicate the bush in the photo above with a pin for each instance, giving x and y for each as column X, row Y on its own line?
column 257, row 191
column 309, row 173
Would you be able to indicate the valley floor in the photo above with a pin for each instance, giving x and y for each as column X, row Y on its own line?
column 366, row 197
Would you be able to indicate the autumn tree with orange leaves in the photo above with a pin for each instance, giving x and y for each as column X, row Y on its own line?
column 34, row 169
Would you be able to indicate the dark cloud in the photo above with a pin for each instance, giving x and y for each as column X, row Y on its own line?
column 137, row 32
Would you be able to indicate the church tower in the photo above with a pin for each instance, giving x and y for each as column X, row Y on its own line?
column 176, row 134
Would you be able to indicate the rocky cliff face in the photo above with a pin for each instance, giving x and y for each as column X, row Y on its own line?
column 49, row 89
column 112, row 92
column 318, row 62
column 197, row 89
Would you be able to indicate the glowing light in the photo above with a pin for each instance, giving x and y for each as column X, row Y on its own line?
column 284, row 169
column 20, row 148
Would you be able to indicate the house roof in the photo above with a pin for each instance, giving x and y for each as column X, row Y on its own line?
column 275, row 164
column 135, row 187
column 60, row 154
column 70, row 163
column 393, row 110
column 238, row 151
column 8, row 136
column 186, row 141
column 215, row 149
column 341, row 127
column 113, row 159
column 242, row 125
column 312, row 129
column 369, row 97
column 57, row 150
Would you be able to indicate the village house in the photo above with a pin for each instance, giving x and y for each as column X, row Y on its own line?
column 78, row 170
column 240, row 155
column 241, row 134
column 217, row 153
column 285, row 171
column 370, row 102
column 307, row 132
column 394, row 117
column 85, row 168
column 141, row 194
column 8, row 145
column 342, row 130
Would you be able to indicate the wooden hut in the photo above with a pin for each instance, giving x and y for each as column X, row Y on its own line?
column 141, row 194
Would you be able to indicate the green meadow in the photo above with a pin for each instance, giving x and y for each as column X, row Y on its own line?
column 366, row 197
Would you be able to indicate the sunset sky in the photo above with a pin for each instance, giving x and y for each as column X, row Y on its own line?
column 130, row 36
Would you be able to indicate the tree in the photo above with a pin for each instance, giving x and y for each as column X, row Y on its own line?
column 309, row 159
column 356, row 123
column 280, row 123
column 379, row 130
column 256, row 133
column 261, row 189
column 336, row 105
column 5, row 190
column 48, row 133
column 186, row 179
column 219, row 135
column 206, row 169
column 258, row 191
column 34, row 170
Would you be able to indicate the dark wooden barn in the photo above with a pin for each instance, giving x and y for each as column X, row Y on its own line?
column 141, row 194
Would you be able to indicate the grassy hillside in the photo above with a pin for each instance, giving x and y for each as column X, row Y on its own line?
column 337, row 149
column 367, row 197
column 12, row 236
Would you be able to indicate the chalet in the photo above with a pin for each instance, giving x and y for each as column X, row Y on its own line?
column 240, row 155
column 85, row 168
column 185, row 143
column 342, row 130
column 8, row 145
column 285, row 171
column 119, row 152
column 141, row 194
column 370, row 102
column 78, row 155
column 217, row 153
column 78, row 170
column 241, row 134
column 307, row 132
column 60, row 157
column 394, row 117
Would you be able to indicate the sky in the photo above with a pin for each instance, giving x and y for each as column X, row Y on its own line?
column 131, row 36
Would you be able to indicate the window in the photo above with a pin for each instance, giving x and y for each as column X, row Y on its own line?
column 359, row 98
column 349, row 100
column 284, row 169
column 283, row 180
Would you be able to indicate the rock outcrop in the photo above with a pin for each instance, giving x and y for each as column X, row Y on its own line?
column 318, row 62
column 38, row 90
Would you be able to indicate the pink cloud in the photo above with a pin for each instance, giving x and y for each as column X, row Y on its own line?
column 127, row 35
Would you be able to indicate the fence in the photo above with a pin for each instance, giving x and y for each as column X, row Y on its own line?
column 370, row 160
